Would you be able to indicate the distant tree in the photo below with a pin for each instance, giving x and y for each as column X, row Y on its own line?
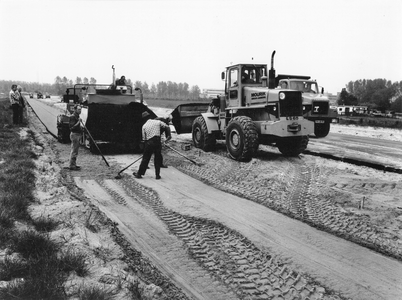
column 58, row 85
column 186, row 91
column 396, row 105
column 85, row 80
column 347, row 99
column 170, row 92
column 161, row 89
column 378, row 93
column 78, row 80
column 153, row 90
column 145, row 88
column 195, row 92
column 92, row 80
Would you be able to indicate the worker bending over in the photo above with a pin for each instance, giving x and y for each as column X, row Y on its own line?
column 151, row 135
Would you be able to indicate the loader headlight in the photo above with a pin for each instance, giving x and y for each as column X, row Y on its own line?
column 282, row 96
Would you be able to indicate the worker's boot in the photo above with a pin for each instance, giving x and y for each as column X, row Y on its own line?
column 137, row 175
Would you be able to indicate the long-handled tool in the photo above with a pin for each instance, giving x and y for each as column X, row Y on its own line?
column 118, row 174
column 194, row 162
column 93, row 141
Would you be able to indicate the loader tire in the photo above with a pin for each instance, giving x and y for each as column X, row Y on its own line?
column 201, row 138
column 292, row 146
column 321, row 130
column 242, row 138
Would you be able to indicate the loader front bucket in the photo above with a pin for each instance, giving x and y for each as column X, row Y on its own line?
column 184, row 115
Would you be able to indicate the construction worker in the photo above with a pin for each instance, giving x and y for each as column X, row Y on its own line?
column 121, row 81
column 14, row 97
column 75, row 135
column 21, row 106
column 151, row 135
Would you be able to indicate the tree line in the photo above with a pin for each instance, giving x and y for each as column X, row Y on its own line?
column 161, row 90
column 379, row 94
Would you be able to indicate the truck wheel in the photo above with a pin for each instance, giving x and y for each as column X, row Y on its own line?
column 242, row 138
column 321, row 130
column 292, row 146
column 201, row 138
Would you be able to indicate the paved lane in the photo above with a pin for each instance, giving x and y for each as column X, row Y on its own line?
column 46, row 114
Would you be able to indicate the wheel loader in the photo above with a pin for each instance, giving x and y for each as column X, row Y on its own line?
column 316, row 105
column 250, row 112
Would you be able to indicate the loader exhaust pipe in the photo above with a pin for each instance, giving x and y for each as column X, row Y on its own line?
column 114, row 76
column 272, row 75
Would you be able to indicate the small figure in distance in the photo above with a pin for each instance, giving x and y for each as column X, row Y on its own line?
column 21, row 106
column 121, row 81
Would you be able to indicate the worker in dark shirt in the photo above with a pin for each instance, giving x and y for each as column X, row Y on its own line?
column 75, row 136
column 121, row 81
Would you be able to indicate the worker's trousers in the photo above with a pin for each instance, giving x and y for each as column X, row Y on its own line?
column 152, row 146
column 75, row 145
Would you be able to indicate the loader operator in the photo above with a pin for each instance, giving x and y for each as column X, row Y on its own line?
column 121, row 81
column 247, row 77
column 151, row 134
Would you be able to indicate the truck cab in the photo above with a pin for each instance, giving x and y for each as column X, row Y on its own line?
column 316, row 105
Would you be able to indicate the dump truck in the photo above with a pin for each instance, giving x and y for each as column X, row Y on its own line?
column 111, row 114
column 316, row 105
column 249, row 113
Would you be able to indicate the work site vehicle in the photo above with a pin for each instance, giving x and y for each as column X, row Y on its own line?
column 111, row 116
column 316, row 105
column 251, row 112
column 39, row 95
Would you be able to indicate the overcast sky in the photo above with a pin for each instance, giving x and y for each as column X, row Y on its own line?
column 193, row 41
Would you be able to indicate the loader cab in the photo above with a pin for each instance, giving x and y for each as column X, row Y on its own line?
column 240, row 76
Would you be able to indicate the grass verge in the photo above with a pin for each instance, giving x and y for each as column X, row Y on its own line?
column 34, row 266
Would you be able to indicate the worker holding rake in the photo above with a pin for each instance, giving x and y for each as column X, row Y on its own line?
column 151, row 135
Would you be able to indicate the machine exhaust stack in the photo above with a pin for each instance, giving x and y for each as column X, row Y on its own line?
column 114, row 76
column 271, row 80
